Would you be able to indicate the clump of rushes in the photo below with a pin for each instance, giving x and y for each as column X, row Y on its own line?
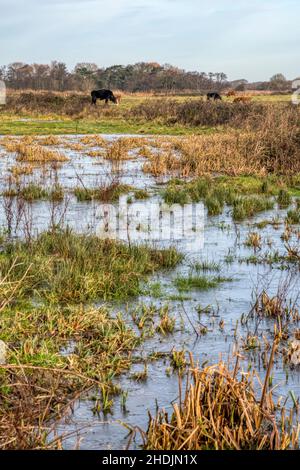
column 245, row 207
column 214, row 205
column 206, row 265
column 253, row 240
column 141, row 194
column 284, row 199
column 93, row 140
column 175, row 195
column 56, row 193
column 244, row 193
column 110, row 192
column 68, row 267
column 167, row 323
column 117, row 150
column 18, row 170
column 178, row 360
column 141, row 376
column 275, row 307
column 220, row 412
column 293, row 217
column 83, row 194
column 185, row 284
column 33, row 192
column 50, row 140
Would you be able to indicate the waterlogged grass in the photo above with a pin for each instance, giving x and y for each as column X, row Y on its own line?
column 45, row 286
column 110, row 192
column 186, row 284
column 293, row 216
column 64, row 267
column 284, row 199
column 33, row 192
column 226, row 188
column 38, row 382
column 245, row 207
column 247, row 195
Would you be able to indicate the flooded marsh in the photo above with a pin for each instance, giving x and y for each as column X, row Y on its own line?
column 107, row 307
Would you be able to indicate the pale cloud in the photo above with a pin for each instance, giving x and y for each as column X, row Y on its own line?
column 248, row 38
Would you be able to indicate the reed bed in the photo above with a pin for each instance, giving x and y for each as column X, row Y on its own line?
column 269, row 150
column 220, row 411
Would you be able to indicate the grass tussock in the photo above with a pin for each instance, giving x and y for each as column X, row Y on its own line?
column 122, row 148
column 109, row 193
column 186, row 284
column 220, row 411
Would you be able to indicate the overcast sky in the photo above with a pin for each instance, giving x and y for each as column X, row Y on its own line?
column 250, row 39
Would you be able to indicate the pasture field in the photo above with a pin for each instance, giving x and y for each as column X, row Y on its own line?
column 199, row 326
column 29, row 113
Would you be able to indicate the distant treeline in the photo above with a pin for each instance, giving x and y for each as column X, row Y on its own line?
column 140, row 77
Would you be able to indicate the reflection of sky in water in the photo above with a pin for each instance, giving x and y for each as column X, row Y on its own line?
column 152, row 221
column 219, row 238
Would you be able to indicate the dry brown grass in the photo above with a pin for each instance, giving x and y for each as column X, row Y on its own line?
column 242, row 99
column 271, row 146
column 34, row 395
column 27, row 150
column 201, row 155
column 122, row 148
column 220, row 411
column 49, row 140
column 18, row 170
column 93, row 141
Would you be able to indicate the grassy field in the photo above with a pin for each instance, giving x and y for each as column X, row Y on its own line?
column 16, row 125
column 29, row 119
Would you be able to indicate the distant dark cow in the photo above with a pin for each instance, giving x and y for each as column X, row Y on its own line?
column 213, row 96
column 101, row 95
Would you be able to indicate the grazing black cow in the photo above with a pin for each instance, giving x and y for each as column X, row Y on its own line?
column 213, row 96
column 101, row 95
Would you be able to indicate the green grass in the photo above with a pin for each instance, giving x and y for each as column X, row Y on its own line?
column 186, row 284
column 141, row 194
column 33, row 192
column 111, row 192
column 214, row 205
column 245, row 207
column 42, row 126
column 248, row 195
column 284, row 199
column 64, row 267
column 293, row 217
